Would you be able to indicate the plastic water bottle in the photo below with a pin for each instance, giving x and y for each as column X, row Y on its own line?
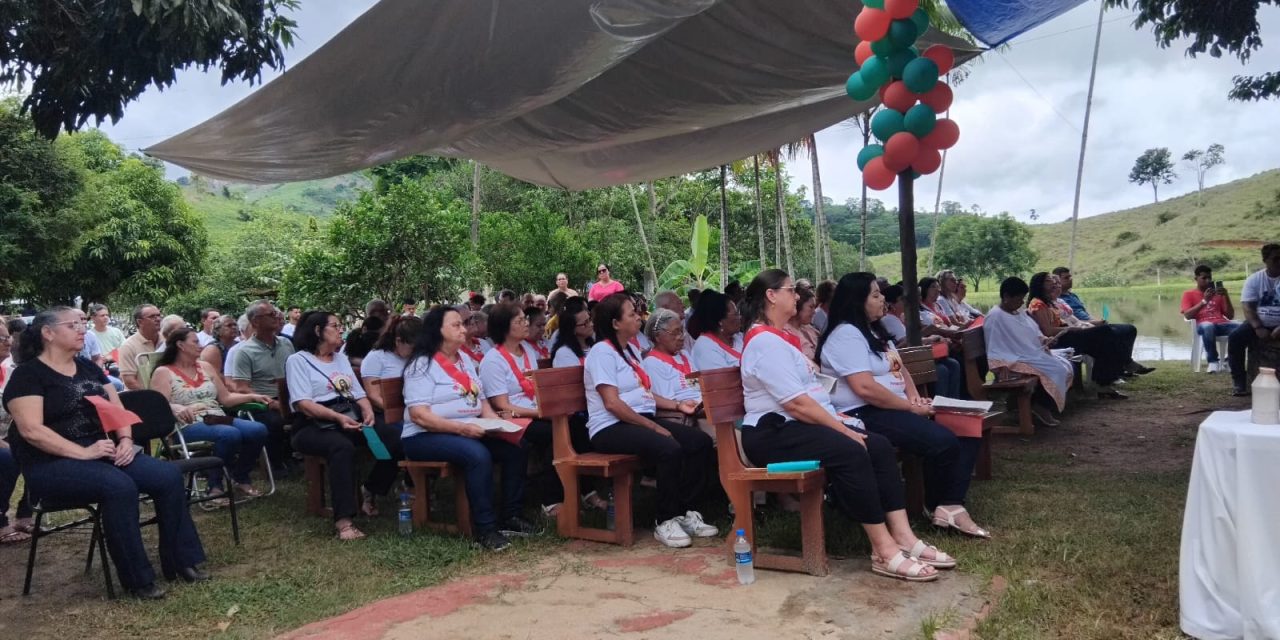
column 610, row 516
column 742, row 559
column 406, row 514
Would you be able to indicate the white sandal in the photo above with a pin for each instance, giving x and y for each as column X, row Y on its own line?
column 893, row 569
column 949, row 522
column 940, row 559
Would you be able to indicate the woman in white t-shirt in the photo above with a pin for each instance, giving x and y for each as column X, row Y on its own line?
column 575, row 334
column 444, row 396
column 950, row 380
column 874, row 386
column 537, row 319
column 320, row 381
column 389, row 356
column 716, row 328
column 669, row 366
column 789, row 417
column 620, row 419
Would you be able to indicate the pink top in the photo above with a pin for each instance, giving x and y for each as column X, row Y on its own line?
column 601, row 291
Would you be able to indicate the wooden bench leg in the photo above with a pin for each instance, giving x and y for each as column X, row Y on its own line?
column 421, row 498
column 913, row 479
column 982, row 470
column 743, row 516
column 813, row 534
column 314, row 469
column 1025, row 427
column 569, row 519
column 622, row 512
column 462, row 506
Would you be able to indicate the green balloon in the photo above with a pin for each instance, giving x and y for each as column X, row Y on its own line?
column 883, row 47
column 858, row 89
column 903, row 33
column 868, row 152
column 874, row 72
column 899, row 60
column 874, row 4
column 920, row 120
column 920, row 75
column 921, row 19
column 885, row 123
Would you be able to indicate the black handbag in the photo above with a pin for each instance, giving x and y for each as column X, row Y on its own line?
column 344, row 404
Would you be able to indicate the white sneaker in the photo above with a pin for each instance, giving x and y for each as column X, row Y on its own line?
column 1213, row 367
column 693, row 525
column 672, row 534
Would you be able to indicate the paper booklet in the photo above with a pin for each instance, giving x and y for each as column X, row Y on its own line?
column 489, row 424
column 952, row 405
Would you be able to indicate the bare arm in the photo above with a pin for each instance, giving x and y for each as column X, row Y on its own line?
column 373, row 391
column 1044, row 319
column 28, row 419
column 212, row 355
column 1228, row 309
column 131, row 381
column 162, row 382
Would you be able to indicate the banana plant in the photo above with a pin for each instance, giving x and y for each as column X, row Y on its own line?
column 695, row 272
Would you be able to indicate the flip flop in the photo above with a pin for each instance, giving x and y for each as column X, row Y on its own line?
column 13, row 535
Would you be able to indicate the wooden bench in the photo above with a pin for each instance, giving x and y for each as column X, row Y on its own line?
column 1017, row 386
column 722, row 399
column 422, row 473
column 560, row 393
column 920, row 364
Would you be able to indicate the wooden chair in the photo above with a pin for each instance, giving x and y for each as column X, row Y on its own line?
column 560, row 393
column 1017, row 386
column 422, row 473
column 722, row 399
column 920, row 364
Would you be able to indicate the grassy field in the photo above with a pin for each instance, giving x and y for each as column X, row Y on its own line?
column 316, row 198
column 1086, row 519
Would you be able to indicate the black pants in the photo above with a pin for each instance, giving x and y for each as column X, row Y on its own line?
column 538, row 438
column 1244, row 338
column 683, row 460
column 1124, row 335
column 1105, row 346
column 948, row 460
column 278, row 445
column 864, row 482
column 338, row 448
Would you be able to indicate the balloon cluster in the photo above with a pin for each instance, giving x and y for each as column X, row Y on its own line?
column 910, row 132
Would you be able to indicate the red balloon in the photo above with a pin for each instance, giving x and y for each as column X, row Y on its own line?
column 898, row 97
column 871, row 24
column 938, row 98
column 900, row 151
column 945, row 134
column 877, row 176
column 927, row 160
column 901, row 9
column 941, row 54
column 863, row 52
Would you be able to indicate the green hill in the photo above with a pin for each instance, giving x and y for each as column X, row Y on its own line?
column 1157, row 241
column 225, row 206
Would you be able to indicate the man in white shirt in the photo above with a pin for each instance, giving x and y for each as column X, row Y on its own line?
column 1261, row 301
column 205, row 335
column 291, row 317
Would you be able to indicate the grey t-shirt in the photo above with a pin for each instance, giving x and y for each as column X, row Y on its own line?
column 261, row 364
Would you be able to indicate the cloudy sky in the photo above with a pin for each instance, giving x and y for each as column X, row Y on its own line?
column 1020, row 115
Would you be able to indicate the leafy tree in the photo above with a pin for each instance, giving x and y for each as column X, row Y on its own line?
column 525, row 251
column 1154, row 166
column 409, row 168
column 1201, row 162
column 1216, row 26
column 979, row 248
column 87, row 58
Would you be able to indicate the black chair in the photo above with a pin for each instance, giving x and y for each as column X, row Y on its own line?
column 40, row 508
column 158, row 423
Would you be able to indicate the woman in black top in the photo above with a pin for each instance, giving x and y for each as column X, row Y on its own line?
column 67, row 458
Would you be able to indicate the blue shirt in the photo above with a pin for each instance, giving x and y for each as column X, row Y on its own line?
column 1077, row 307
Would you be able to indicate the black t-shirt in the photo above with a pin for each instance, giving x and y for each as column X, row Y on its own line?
column 65, row 409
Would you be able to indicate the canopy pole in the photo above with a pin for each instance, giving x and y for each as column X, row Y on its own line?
column 1084, row 138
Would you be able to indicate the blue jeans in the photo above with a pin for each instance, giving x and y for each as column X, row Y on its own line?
column 1209, row 334
column 8, row 482
column 116, row 490
column 950, row 381
column 239, row 444
column 476, row 457
column 948, row 460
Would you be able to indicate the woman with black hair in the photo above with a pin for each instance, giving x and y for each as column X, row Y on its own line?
column 444, row 396
column 65, row 456
column 874, row 386
column 1109, row 356
column 389, row 356
column 574, row 335
column 716, row 328
column 330, row 410
column 620, row 419
column 950, row 382
column 790, row 417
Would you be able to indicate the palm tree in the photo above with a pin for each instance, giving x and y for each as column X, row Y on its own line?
column 724, row 226
column 821, row 242
column 755, row 162
column 475, row 205
column 784, row 231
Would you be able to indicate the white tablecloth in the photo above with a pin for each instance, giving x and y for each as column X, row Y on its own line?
column 1229, row 570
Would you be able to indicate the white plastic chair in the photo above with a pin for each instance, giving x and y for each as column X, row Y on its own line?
column 1197, row 349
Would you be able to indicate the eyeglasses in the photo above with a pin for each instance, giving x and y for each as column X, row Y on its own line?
column 791, row 288
column 151, row 316
column 602, row 270
column 6, row 339
column 74, row 324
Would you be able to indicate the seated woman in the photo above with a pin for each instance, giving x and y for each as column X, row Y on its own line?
column 950, row 381
column 443, row 393
column 934, row 312
column 790, row 417
column 537, row 319
column 949, row 287
column 966, row 310
column 620, row 408
column 801, row 324
column 196, row 394
column 1015, row 343
column 875, row 387
column 669, row 366
column 386, row 360
column 575, row 335
column 225, row 333
column 716, row 328
column 20, row 529
column 1097, row 341
column 66, row 457
column 330, row 410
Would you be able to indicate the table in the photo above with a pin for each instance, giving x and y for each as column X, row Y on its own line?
column 1229, row 566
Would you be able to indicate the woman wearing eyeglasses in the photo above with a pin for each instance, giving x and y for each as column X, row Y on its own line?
column 576, row 334
column 604, row 285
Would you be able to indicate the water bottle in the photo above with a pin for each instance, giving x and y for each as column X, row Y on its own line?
column 406, row 514
column 742, row 559
column 1266, row 397
column 610, row 515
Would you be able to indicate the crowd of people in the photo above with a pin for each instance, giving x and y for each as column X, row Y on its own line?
column 821, row 372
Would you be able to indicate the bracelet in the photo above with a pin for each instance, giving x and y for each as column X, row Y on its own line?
column 123, row 437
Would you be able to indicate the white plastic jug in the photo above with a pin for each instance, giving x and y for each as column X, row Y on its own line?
column 1266, row 397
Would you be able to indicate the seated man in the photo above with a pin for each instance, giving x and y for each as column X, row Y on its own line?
column 291, row 316
column 259, row 364
column 1261, row 300
column 92, row 351
column 1126, row 334
column 146, row 317
column 205, row 336
column 1211, row 308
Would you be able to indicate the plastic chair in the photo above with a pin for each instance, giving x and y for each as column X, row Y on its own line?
column 146, row 366
column 1197, row 349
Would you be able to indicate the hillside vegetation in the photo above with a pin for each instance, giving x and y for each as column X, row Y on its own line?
column 228, row 207
column 1163, row 240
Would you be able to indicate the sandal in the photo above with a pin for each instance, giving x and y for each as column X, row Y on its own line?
column 948, row 521
column 248, row 491
column 370, row 505
column 13, row 535
column 940, row 559
column 349, row 532
column 903, row 567
column 552, row 510
column 217, row 500
column 1043, row 417
column 25, row 525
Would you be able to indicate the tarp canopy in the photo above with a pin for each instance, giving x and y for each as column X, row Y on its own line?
column 569, row 93
column 995, row 22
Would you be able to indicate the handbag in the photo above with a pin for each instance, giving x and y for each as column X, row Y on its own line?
column 344, row 404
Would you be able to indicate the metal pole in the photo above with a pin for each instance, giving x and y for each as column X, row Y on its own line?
column 907, row 242
column 1084, row 137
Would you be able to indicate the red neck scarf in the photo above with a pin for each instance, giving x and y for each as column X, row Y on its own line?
column 641, row 374
column 791, row 338
column 537, row 348
column 526, row 385
column 472, row 348
column 464, row 380
column 683, row 367
column 728, row 348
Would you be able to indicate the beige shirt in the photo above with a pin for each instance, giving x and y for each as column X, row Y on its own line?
column 129, row 351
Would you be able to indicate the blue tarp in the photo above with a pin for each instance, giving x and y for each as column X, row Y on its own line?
column 995, row 22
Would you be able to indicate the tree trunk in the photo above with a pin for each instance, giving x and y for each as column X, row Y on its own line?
column 475, row 206
column 937, row 208
column 724, row 227
column 822, row 252
column 1155, row 189
column 643, row 238
column 764, row 260
column 783, row 227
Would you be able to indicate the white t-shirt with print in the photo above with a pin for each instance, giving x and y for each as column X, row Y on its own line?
column 669, row 382
column 773, row 373
column 606, row 366
column 708, row 355
column 846, row 353
column 382, row 364
column 565, row 357
column 310, row 378
column 1264, row 291
column 498, row 379
column 427, row 385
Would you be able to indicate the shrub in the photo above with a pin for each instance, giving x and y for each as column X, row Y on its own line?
column 1125, row 237
column 1142, row 248
column 1165, row 216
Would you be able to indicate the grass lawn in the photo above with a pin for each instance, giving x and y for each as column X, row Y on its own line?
column 1086, row 518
